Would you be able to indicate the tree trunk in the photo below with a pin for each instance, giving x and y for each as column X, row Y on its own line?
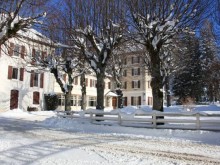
column 68, row 100
column 157, row 84
column 83, row 90
column 100, row 90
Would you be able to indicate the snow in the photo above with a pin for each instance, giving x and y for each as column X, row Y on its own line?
column 43, row 138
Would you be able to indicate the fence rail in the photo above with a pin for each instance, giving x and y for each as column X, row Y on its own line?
column 154, row 119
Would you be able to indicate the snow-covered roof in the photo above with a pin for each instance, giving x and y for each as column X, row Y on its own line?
column 34, row 35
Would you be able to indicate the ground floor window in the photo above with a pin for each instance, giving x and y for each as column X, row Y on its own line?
column 61, row 99
column 92, row 101
column 136, row 100
column 79, row 100
column 75, row 100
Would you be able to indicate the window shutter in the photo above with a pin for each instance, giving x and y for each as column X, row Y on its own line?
column 132, row 60
column 125, row 85
column 139, row 71
column 139, row 84
column 11, row 49
column 132, row 84
column 22, row 51
column 132, row 100
column 10, row 72
column 21, row 74
column 43, row 55
column 86, row 81
column 33, row 56
column 90, row 82
column 109, row 85
column 36, row 97
column 42, row 80
column 132, row 70
column 138, row 59
column 139, row 100
column 125, row 61
column 32, row 79
column 125, row 101
column 64, row 77
column 76, row 82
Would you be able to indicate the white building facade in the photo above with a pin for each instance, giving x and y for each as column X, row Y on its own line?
column 22, row 85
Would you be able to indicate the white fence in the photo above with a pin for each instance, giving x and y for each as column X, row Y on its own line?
column 154, row 119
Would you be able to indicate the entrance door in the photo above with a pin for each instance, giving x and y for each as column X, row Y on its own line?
column 14, row 99
column 114, row 102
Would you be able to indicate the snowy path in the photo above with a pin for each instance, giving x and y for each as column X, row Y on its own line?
column 27, row 141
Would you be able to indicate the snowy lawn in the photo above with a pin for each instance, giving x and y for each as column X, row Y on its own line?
column 42, row 138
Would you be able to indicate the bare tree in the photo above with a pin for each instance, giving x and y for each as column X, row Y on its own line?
column 16, row 15
column 157, row 22
column 99, row 30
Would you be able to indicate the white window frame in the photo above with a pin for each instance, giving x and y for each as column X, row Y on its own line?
column 92, row 99
column 136, row 84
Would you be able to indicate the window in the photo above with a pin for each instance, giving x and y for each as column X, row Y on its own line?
column 92, row 101
column 36, row 97
column 136, row 84
column 125, row 61
column 79, row 100
column 125, row 101
column 135, row 60
column 61, row 100
column 125, row 73
column 75, row 81
column 37, row 79
column 37, row 54
column 16, row 50
column 136, row 100
column 92, row 83
column 135, row 71
column 14, row 73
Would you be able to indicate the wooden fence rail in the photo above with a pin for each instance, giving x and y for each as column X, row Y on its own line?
column 153, row 119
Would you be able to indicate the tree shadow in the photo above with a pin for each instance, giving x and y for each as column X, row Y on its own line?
column 39, row 146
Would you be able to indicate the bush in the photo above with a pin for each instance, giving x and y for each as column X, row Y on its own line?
column 51, row 101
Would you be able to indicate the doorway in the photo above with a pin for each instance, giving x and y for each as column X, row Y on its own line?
column 14, row 99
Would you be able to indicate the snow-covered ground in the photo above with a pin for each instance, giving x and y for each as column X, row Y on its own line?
column 43, row 138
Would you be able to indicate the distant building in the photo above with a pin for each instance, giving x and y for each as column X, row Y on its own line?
column 22, row 85
column 136, row 81
column 90, row 93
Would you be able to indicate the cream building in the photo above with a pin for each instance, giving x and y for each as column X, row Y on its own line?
column 136, row 81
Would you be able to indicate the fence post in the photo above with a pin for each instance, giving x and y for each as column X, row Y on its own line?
column 197, row 121
column 154, row 120
column 91, row 116
column 119, row 119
